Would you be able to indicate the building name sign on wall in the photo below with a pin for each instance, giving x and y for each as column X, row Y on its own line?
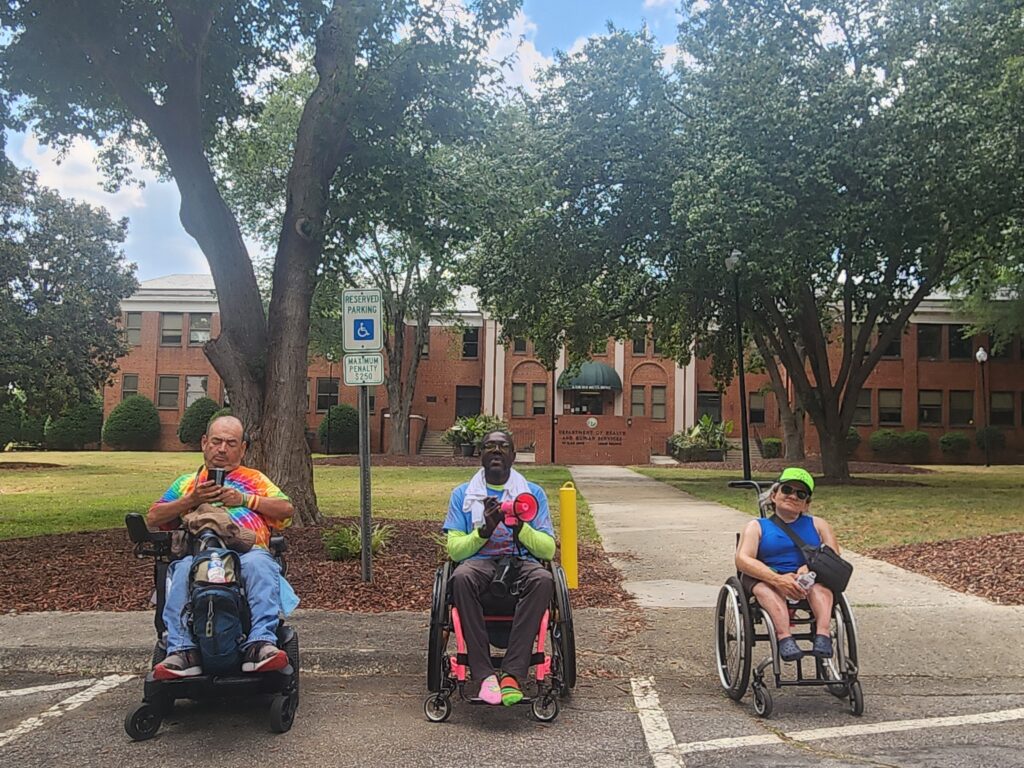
column 569, row 437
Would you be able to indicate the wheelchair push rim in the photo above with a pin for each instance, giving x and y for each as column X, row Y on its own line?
column 733, row 639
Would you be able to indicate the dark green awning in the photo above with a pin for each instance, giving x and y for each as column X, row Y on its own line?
column 591, row 376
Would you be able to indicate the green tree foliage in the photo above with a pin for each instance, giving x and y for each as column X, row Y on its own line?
column 134, row 425
column 75, row 428
column 10, row 424
column 174, row 78
column 339, row 430
column 194, row 420
column 32, row 430
column 62, row 279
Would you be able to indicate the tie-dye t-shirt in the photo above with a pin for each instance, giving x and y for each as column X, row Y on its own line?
column 245, row 479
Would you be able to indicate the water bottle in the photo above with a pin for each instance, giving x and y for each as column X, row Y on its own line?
column 806, row 581
column 215, row 569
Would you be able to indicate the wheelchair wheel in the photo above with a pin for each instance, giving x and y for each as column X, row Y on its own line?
column 762, row 701
column 282, row 712
column 565, row 636
column 734, row 638
column 843, row 663
column 143, row 722
column 545, row 707
column 438, row 619
column 856, row 699
column 437, row 708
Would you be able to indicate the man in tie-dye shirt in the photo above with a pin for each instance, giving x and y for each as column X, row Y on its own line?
column 253, row 502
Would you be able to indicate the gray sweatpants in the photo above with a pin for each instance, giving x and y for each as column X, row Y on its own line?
column 471, row 580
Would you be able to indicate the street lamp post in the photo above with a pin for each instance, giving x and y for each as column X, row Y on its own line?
column 982, row 357
column 732, row 263
column 330, row 379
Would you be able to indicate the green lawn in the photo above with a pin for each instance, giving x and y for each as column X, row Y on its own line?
column 953, row 503
column 94, row 490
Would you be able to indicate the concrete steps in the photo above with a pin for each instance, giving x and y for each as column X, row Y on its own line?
column 736, row 448
column 432, row 445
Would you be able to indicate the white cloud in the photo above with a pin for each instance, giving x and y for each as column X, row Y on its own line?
column 75, row 175
column 669, row 55
column 518, row 39
column 660, row 3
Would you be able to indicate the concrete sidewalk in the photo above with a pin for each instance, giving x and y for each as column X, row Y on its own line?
column 675, row 551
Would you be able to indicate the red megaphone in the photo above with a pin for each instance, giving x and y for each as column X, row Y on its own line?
column 522, row 508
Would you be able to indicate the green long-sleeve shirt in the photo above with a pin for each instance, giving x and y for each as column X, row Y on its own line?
column 464, row 545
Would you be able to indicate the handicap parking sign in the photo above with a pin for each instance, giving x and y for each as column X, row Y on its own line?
column 363, row 329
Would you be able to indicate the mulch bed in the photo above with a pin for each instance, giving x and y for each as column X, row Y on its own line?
column 384, row 460
column 99, row 572
column 987, row 566
column 812, row 465
column 28, row 465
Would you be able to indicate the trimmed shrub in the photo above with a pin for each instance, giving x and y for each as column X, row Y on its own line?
column 134, row 425
column 194, row 421
column 955, row 444
column 852, row 441
column 917, row 444
column 991, row 437
column 886, row 443
column 32, row 428
column 343, row 423
column 346, row 543
column 771, row 448
column 75, row 428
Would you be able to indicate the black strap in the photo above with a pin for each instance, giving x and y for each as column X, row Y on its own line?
column 801, row 544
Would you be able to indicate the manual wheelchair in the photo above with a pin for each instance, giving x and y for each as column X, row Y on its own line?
column 144, row 720
column 740, row 622
column 554, row 659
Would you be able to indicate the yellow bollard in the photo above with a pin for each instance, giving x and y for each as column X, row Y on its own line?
column 570, row 554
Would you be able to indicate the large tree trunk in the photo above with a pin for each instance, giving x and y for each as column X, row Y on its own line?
column 835, row 463
column 793, row 432
column 791, row 415
column 399, row 432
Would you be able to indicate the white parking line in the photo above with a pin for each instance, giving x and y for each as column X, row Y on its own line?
column 657, row 731
column 72, row 702
column 44, row 688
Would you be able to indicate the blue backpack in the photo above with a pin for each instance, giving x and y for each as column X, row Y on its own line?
column 220, row 614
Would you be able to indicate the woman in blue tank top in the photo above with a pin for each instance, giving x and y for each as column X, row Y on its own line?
column 770, row 562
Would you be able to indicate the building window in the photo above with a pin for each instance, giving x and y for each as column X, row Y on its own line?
column 862, row 412
column 540, row 399
column 199, row 329
column 711, row 404
column 1001, row 409
column 929, row 407
column 170, row 329
column 129, row 385
column 756, row 409
column 658, row 404
column 167, row 391
column 1005, row 351
column 637, row 404
column 471, row 343
column 519, row 345
column 518, row 399
column 890, row 406
column 133, row 328
column 894, row 348
column 195, row 388
column 425, row 349
column 959, row 347
column 929, row 342
column 326, row 394
column 373, row 404
column 640, row 340
column 961, row 408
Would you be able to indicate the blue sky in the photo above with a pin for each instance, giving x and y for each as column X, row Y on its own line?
column 156, row 242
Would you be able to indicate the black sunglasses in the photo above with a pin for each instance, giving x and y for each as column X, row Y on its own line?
column 496, row 445
column 800, row 493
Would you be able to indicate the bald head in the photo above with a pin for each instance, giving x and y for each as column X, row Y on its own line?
column 224, row 443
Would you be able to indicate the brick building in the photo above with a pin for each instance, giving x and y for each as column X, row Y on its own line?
column 620, row 408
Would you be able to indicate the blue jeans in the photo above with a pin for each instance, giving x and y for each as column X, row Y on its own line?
column 261, row 577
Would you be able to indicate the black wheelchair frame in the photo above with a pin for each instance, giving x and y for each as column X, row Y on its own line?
column 740, row 622
column 443, row 681
column 144, row 720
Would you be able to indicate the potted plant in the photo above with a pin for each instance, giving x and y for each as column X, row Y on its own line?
column 469, row 431
column 706, row 440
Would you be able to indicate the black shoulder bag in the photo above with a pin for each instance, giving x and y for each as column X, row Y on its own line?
column 830, row 568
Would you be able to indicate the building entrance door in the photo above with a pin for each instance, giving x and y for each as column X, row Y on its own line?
column 467, row 401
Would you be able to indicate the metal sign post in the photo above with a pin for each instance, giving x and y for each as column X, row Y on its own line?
column 363, row 313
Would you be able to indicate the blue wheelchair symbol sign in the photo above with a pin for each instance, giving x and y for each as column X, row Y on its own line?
column 363, row 329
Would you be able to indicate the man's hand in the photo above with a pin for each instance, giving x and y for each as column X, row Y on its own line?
column 231, row 497
column 205, row 493
column 492, row 516
column 786, row 584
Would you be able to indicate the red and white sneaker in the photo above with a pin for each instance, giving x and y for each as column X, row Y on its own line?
column 264, row 657
column 178, row 665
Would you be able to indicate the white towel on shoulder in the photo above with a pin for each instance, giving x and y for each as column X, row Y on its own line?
column 476, row 492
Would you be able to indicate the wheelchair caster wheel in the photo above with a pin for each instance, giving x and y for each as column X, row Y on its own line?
column 762, row 701
column 143, row 722
column 545, row 707
column 282, row 712
column 437, row 708
column 856, row 699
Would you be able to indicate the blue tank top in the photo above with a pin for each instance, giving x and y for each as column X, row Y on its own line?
column 777, row 550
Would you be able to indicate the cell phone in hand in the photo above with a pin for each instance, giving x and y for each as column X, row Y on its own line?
column 217, row 475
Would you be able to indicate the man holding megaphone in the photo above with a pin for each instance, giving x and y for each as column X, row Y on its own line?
column 498, row 527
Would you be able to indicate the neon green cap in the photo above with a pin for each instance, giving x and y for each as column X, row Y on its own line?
column 798, row 474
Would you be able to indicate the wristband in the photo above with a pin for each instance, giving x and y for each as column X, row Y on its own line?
column 252, row 501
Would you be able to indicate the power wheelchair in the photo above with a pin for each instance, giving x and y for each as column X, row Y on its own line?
column 740, row 622
column 554, row 659
column 144, row 720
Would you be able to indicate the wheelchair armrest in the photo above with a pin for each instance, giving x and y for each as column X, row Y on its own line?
column 139, row 533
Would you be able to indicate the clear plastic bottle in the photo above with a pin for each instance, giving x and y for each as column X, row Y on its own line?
column 806, row 581
column 215, row 569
